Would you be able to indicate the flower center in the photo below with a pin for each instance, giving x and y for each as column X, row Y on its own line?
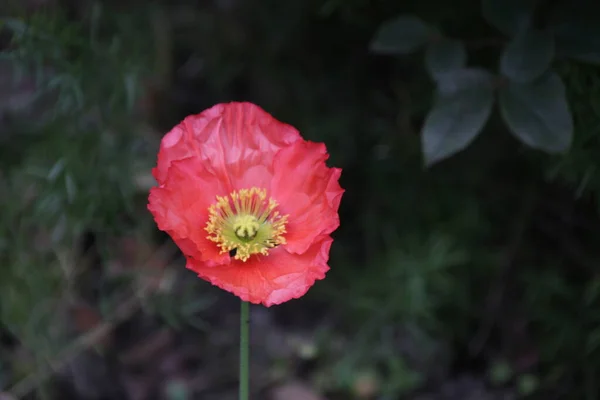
column 246, row 223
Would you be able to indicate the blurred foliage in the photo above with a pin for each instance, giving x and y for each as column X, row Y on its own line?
column 484, row 263
column 68, row 149
column 531, row 97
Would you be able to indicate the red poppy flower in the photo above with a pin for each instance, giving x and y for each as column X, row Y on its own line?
column 248, row 201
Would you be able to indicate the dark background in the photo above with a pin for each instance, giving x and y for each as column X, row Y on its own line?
column 475, row 278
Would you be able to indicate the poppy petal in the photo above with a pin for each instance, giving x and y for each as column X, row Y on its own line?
column 308, row 191
column 235, row 146
column 272, row 279
column 180, row 207
column 228, row 137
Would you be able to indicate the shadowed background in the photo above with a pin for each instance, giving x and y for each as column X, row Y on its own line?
column 474, row 278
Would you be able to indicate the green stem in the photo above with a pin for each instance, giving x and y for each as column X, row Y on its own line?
column 244, row 350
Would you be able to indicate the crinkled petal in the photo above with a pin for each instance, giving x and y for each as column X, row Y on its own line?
column 227, row 137
column 272, row 279
column 237, row 146
column 308, row 191
column 180, row 208
column 334, row 191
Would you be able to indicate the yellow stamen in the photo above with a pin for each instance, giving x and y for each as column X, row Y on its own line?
column 246, row 222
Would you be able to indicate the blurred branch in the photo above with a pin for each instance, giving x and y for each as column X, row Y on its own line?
column 126, row 308
column 493, row 302
column 163, row 45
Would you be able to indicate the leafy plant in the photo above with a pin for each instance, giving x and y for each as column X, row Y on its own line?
column 66, row 155
column 531, row 96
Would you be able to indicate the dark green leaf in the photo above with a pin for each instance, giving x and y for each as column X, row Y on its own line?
column 461, row 79
column 509, row 16
column 445, row 55
column 527, row 56
column 464, row 103
column 538, row 114
column 401, row 35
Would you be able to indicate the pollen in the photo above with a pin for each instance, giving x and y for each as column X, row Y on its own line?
column 246, row 223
